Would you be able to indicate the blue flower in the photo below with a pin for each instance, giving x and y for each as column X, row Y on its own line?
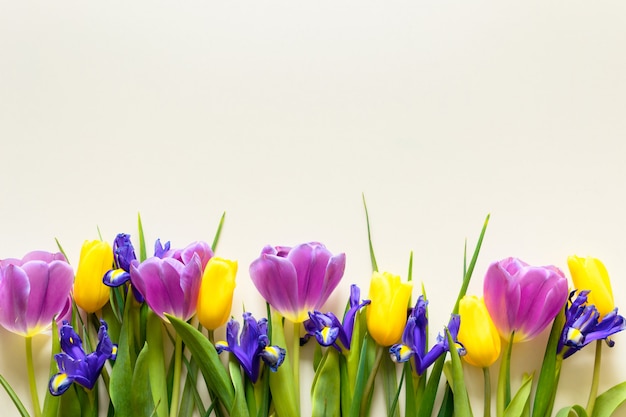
column 123, row 257
column 583, row 325
column 414, row 340
column 252, row 346
column 327, row 329
column 76, row 366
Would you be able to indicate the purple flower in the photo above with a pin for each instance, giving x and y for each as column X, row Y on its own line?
column 123, row 257
column 76, row 366
column 414, row 340
column 297, row 280
column 523, row 299
column 33, row 291
column 327, row 329
column 583, row 325
column 252, row 346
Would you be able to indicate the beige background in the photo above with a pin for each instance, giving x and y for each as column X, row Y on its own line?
column 283, row 113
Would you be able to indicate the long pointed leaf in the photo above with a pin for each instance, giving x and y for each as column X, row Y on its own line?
column 610, row 400
column 521, row 399
column 16, row 400
column 369, row 237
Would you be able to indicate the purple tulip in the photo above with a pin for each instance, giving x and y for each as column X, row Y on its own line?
column 583, row 325
column 523, row 299
column 327, row 329
column 76, row 366
column 171, row 284
column 414, row 338
column 33, row 291
column 252, row 346
column 297, row 280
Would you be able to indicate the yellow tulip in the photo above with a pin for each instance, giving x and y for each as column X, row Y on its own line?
column 96, row 258
column 216, row 292
column 590, row 274
column 387, row 312
column 477, row 333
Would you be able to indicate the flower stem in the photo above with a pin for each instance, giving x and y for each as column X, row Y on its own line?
column 178, row 359
column 369, row 385
column 31, row 376
column 487, row 393
column 595, row 381
column 295, row 353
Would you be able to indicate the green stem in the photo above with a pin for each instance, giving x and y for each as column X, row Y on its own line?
column 178, row 359
column 593, row 392
column 369, row 386
column 295, row 353
column 32, row 382
column 487, row 393
column 503, row 397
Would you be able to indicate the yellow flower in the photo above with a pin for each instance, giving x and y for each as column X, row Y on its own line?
column 96, row 258
column 216, row 292
column 590, row 274
column 386, row 315
column 477, row 333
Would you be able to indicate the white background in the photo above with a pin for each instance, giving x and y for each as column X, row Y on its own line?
column 283, row 113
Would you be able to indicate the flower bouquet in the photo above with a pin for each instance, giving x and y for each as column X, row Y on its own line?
column 134, row 334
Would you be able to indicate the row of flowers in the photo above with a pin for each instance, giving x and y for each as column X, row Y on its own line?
column 123, row 309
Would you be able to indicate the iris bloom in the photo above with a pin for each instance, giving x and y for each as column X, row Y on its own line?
column 327, row 329
column 590, row 274
column 96, row 258
column 297, row 280
column 478, row 334
column 523, row 298
column 123, row 257
column 33, row 291
column 252, row 346
column 76, row 366
column 171, row 284
column 414, row 340
column 583, row 325
column 386, row 315
column 216, row 292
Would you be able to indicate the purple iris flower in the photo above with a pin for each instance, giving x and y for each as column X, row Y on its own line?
column 583, row 325
column 33, row 291
column 123, row 257
column 76, row 366
column 297, row 280
column 327, row 329
column 252, row 346
column 414, row 339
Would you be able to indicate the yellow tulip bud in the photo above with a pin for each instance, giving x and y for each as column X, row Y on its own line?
column 590, row 274
column 96, row 258
column 216, row 292
column 386, row 315
column 477, row 333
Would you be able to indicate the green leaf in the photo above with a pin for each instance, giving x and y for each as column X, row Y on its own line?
column 427, row 403
column 51, row 402
column 550, row 371
column 206, row 356
column 120, row 385
column 361, row 379
column 326, row 386
column 390, row 383
column 610, row 400
column 573, row 411
column 462, row 407
column 282, row 383
column 240, row 407
column 218, row 233
column 521, row 399
column 447, row 404
column 142, row 404
column 369, row 237
column 142, row 240
column 16, row 400
column 155, row 364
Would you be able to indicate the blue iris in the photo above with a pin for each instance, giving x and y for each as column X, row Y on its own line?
column 252, row 346
column 76, row 366
column 414, row 339
column 583, row 325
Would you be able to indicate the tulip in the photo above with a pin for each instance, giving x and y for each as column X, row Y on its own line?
column 216, row 292
column 414, row 337
column 478, row 334
column 76, row 366
column 590, row 274
column 96, row 259
column 523, row 299
column 327, row 328
column 387, row 313
column 297, row 280
column 33, row 291
column 251, row 346
column 583, row 325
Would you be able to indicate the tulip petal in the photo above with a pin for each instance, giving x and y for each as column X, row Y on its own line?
column 276, row 280
column 14, row 292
